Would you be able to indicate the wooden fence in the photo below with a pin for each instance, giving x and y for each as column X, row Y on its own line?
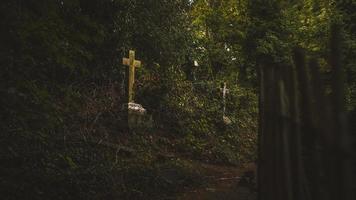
column 306, row 151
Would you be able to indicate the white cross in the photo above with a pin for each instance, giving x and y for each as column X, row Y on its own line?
column 224, row 91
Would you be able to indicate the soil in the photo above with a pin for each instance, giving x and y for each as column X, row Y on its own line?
column 223, row 183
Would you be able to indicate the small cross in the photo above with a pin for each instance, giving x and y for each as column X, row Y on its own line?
column 132, row 64
column 224, row 91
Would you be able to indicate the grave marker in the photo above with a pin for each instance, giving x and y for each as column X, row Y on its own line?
column 131, row 64
column 134, row 114
column 225, row 91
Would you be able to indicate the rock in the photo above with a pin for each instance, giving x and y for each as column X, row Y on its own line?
column 227, row 121
column 135, row 108
column 137, row 116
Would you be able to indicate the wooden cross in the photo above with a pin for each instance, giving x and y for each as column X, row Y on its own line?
column 224, row 91
column 131, row 64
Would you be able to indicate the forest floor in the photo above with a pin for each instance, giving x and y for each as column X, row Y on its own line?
column 222, row 182
column 184, row 175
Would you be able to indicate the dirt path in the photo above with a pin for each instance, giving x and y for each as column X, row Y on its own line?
column 223, row 184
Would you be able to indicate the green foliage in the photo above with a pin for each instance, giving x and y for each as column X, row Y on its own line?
column 347, row 19
column 59, row 60
column 219, row 30
column 192, row 112
column 61, row 77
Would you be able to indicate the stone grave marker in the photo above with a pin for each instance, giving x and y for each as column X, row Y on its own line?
column 134, row 113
